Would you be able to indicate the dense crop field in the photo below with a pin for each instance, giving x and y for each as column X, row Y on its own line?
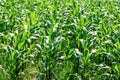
column 59, row 39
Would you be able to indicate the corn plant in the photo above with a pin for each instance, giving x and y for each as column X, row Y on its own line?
column 59, row 40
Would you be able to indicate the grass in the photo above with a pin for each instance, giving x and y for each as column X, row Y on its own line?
column 59, row 40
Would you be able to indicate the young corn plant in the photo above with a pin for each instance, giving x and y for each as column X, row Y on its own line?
column 59, row 40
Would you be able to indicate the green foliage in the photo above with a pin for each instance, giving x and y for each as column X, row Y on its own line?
column 59, row 40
